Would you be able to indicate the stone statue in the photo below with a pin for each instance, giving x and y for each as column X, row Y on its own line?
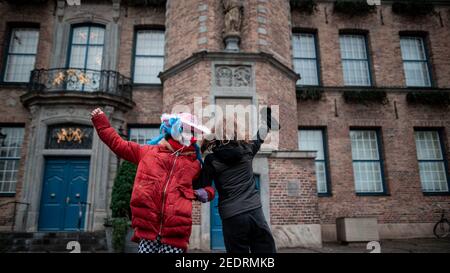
column 233, row 20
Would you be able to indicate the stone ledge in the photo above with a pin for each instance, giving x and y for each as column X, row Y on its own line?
column 357, row 229
column 74, row 98
column 294, row 154
column 195, row 241
column 388, row 231
column 224, row 56
column 309, row 235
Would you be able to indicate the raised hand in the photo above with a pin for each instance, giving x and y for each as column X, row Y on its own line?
column 202, row 195
column 96, row 112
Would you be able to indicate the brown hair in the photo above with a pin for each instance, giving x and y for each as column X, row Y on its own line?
column 210, row 144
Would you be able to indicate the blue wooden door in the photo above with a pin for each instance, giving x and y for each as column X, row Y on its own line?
column 217, row 242
column 64, row 194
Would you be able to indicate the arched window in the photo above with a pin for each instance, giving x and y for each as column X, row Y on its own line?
column 86, row 56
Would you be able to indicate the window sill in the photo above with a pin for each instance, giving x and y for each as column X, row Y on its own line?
column 324, row 194
column 420, row 87
column 359, row 86
column 138, row 86
column 14, row 84
column 7, row 194
column 372, row 194
column 436, row 193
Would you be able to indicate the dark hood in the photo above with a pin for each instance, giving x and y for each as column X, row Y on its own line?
column 229, row 154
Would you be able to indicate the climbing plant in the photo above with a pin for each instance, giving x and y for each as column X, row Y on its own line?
column 306, row 6
column 353, row 7
column 150, row 3
column 413, row 7
column 365, row 96
column 120, row 203
column 309, row 93
column 120, row 229
column 438, row 98
column 122, row 188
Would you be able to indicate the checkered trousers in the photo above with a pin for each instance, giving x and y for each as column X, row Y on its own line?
column 148, row 246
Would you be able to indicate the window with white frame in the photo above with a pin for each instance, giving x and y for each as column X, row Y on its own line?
column 313, row 140
column 21, row 54
column 415, row 61
column 355, row 60
column 433, row 172
column 142, row 135
column 11, row 139
column 367, row 166
column 149, row 56
column 305, row 58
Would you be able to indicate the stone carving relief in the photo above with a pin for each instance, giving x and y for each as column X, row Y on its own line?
column 233, row 76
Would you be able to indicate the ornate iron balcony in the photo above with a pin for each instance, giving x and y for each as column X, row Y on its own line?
column 80, row 80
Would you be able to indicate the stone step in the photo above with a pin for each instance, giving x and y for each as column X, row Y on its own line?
column 52, row 241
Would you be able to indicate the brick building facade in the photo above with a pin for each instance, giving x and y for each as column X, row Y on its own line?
column 361, row 135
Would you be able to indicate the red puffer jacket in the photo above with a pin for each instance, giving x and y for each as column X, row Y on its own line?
column 161, row 202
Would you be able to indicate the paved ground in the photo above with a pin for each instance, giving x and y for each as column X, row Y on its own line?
column 386, row 246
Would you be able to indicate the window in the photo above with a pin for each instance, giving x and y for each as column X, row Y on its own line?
column 21, row 54
column 305, row 58
column 86, row 56
column 415, row 61
column 367, row 167
column 142, row 135
column 432, row 165
column 11, row 139
column 314, row 140
column 355, row 60
column 149, row 56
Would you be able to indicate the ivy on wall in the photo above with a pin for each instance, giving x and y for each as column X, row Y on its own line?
column 437, row 98
column 150, row 3
column 309, row 93
column 412, row 7
column 306, row 6
column 365, row 96
column 19, row 2
column 353, row 8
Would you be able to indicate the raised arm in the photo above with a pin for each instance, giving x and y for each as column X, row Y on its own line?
column 268, row 122
column 127, row 150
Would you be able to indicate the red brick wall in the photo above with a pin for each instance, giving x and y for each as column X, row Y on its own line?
column 12, row 112
column 140, row 16
column 300, row 209
column 148, row 107
column 275, row 89
column 405, row 202
column 182, row 88
column 11, row 109
column 384, row 42
column 278, row 29
column 181, row 31
column 41, row 14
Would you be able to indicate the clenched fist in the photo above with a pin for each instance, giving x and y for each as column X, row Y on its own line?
column 96, row 112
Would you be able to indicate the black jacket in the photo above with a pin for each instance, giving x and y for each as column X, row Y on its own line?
column 230, row 167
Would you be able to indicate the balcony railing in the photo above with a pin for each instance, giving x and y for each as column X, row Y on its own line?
column 80, row 80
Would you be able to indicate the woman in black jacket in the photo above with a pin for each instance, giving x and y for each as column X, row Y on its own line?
column 230, row 167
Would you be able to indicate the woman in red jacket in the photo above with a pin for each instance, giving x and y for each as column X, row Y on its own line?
column 161, row 201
